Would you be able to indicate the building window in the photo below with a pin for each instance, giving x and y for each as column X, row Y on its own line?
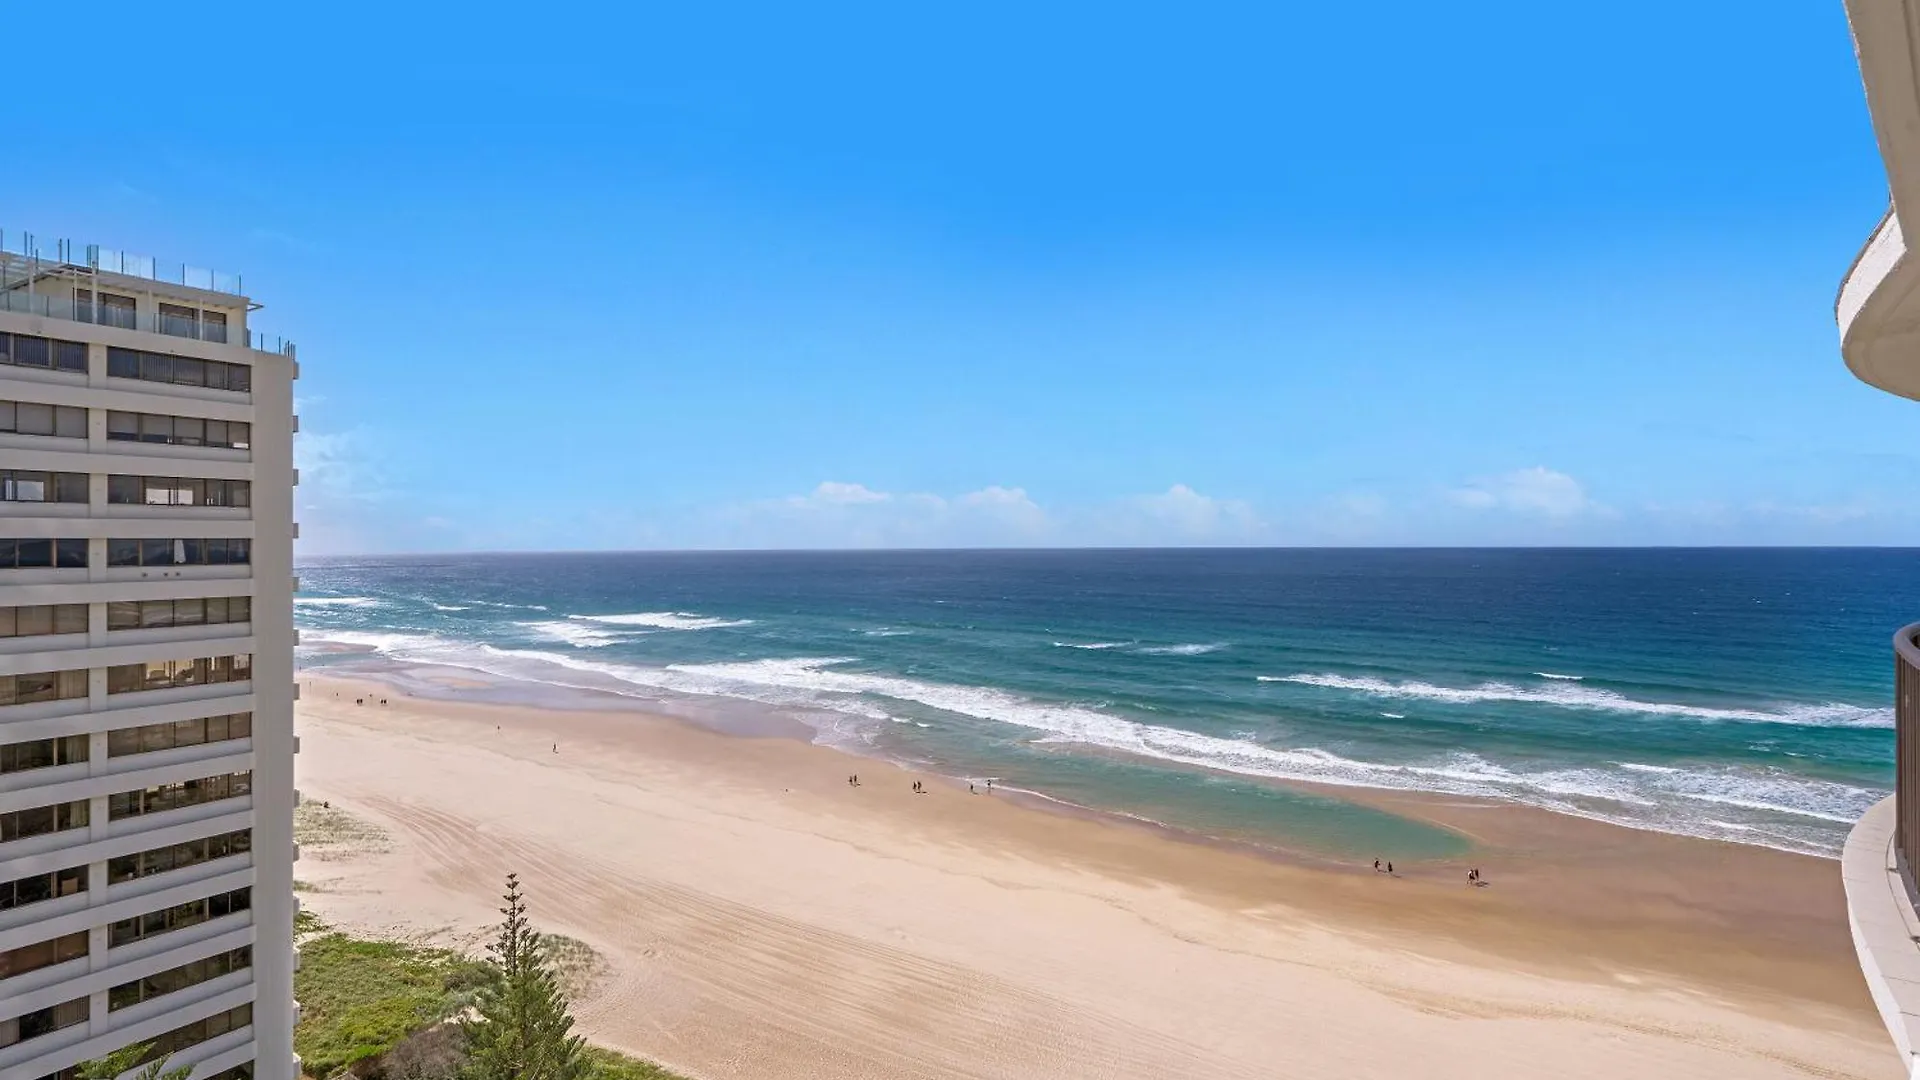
column 112, row 310
column 42, row 954
column 178, row 370
column 22, row 350
column 161, row 674
column 178, row 321
column 39, row 620
column 43, row 686
column 38, row 887
column 43, row 753
column 43, row 1021
column 177, row 491
column 178, row 917
column 150, row 614
column 172, row 979
column 24, row 485
column 164, row 797
column 178, row 856
column 42, row 820
column 196, row 732
column 213, row 326
column 200, row 1031
column 235, row 551
column 178, row 430
column 43, row 554
column 33, row 418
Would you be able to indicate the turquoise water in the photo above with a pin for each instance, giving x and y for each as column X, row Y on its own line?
column 1735, row 694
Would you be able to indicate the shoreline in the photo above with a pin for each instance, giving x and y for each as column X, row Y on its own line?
column 1752, row 932
column 733, row 717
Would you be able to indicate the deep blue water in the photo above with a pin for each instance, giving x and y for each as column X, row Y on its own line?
column 1740, row 694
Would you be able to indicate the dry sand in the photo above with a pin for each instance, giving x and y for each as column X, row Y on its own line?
column 759, row 918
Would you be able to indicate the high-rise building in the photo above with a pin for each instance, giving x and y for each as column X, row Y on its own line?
column 146, row 668
column 1879, row 315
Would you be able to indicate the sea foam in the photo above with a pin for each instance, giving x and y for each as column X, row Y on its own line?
column 570, row 632
column 1641, row 796
column 1183, row 650
column 1566, row 695
column 664, row 620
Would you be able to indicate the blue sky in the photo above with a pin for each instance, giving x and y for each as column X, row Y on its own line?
column 730, row 275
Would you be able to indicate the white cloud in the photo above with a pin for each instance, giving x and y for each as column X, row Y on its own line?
column 337, row 465
column 834, row 493
column 1536, row 491
column 845, row 514
column 1177, row 516
column 997, row 496
column 1188, row 514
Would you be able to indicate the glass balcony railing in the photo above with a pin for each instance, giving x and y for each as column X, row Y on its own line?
column 198, row 329
column 95, row 257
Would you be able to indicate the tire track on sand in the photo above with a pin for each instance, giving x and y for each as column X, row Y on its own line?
column 736, row 991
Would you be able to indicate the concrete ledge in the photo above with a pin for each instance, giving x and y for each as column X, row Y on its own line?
column 1886, row 929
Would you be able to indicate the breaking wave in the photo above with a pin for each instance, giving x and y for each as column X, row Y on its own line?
column 1566, row 695
column 1788, row 811
column 664, row 620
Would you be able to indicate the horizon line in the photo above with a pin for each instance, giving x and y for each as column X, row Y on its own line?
column 1109, row 548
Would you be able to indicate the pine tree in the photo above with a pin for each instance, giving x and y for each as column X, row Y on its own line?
column 132, row 1057
column 522, row 1030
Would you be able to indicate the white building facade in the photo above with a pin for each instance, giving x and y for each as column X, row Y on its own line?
column 146, row 668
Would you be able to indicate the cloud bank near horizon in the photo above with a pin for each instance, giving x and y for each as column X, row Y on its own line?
column 349, row 505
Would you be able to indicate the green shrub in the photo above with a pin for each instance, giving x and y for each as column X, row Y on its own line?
column 360, row 998
column 614, row 1065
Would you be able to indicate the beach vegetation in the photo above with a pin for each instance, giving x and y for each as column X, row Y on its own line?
column 521, row 1027
column 359, row 998
column 398, row 1010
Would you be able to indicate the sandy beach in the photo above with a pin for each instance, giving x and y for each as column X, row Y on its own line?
column 761, row 918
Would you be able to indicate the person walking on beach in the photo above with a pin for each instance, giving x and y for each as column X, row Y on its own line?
column 1389, row 868
column 1376, row 866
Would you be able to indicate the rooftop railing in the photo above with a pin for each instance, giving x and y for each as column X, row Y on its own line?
column 55, row 307
column 95, row 257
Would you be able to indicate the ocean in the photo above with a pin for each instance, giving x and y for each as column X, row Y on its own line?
column 1734, row 694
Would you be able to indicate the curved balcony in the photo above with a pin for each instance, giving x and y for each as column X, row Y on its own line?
column 1878, row 311
column 1877, row 869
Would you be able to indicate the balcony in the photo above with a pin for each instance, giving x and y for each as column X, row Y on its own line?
column 1877, row 869
column 26, row 261
column 1878, row 312
column 218, row 333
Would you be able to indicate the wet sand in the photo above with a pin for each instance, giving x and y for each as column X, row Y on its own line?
column 761, row 918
